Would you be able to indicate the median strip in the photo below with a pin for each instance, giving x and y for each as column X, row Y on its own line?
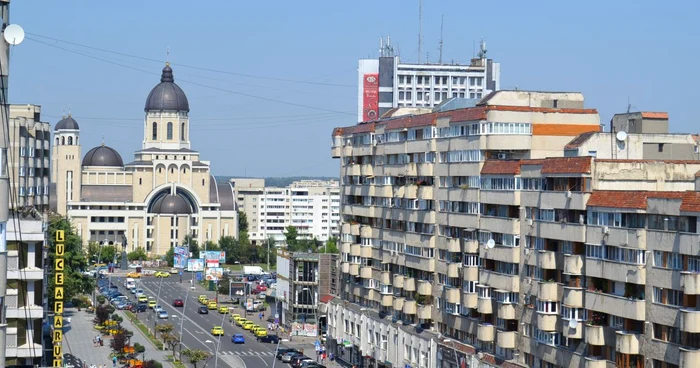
column 135, row 321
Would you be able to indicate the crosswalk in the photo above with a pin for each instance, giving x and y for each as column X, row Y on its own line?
column 248, row 353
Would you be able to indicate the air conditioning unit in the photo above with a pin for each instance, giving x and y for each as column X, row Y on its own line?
column 581, row 219
column 606, row 230
column 502, row 156
column 530, row 222
column 568, row 194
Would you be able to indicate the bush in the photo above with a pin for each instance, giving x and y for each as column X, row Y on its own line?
column 77, row 302
column 152, row 364
column 110, row 308
column 138, row 348
column 118, row 318
column 101, row 299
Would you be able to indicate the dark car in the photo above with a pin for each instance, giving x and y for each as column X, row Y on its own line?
column 272, row 339
column 203, row 310
column 178, row 303
column 282, row 351
column 297, row 359
column 140, row 307
column 312, row 365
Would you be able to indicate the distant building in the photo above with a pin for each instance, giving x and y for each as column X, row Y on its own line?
column 387, row 83
column 30, row 157
column 311, row 206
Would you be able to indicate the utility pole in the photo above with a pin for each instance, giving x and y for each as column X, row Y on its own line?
column 4, row 171
column 420, row 29
column 442, row 18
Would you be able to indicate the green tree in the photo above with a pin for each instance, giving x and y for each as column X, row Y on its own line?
column 291, row 235
column 210, row 245
column 170, row 256
column 75, row 260
column 224, row 284
column 331, row 246
column 193, row 245
column 139, row 254
column 195, row 356
column 242, row 222
column 119, row 341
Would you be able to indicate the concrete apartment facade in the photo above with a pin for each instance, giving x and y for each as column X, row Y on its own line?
column 311, row 206
column 30, row 157
column 468, row 237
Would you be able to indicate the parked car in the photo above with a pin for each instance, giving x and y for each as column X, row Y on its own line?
column 141, row 307
column 178, row 303
column 174, row 271
column 287, row 357
column 272, row 339
column 203, row 310
column 238, row 339
column 282, row 351
column 297, row 359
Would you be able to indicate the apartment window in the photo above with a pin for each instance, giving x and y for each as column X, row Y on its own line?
column 547, row 306
column 616, row 321
column 579, row 314
column 594, row 251
column 506, row 297
column 667, row 333
column 469, row 287
column 661, row 147
column 668, row 297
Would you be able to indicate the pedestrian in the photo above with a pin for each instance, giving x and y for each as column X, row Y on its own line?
column 114, row 362
column 323, row 357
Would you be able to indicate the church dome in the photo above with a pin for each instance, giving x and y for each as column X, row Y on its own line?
column 67, row 123
column 167, row 96
column 103, row 156
column 171, row 204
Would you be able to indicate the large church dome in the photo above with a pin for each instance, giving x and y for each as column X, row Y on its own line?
column 167, row 96
column 103, row 156
column 67, row 123
column 171, row 204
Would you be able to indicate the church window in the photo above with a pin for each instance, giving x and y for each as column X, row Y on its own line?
column 70, row 141
column 182, row 132
column 155, row 131
column 140, row 181
column 172, row 170
column 202, row 182
column 57, row 141
column 170, row 130
column 63, row 140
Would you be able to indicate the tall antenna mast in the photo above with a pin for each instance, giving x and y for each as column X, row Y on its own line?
column 420, row 29
column 442, row 18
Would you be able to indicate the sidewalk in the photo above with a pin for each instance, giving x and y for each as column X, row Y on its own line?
column 139, row 337
column 306, row 344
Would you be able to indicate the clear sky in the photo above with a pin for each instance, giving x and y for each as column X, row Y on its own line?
column 612, row 51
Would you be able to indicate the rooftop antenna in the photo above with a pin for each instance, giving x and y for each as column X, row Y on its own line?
column 442, row 19
column 420, row 29
column 167, row 54
column 482, row 49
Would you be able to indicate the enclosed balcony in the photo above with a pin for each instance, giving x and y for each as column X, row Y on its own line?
column 452, row 294
column 385, row 278
column 502, row 225
column 425, row 312
column 453, row 269
column 469, row 300
column 501, row 253
column 366, row 272
column 547, row 260
column 690, row 282
column 387, row 300
column 573, row 297
column 425, row 287
column 689, row 357
column 548, row 290
column 621, row 306
column 345, row 267
column 573, row 264
column 572, row 330
column 366, row 252
column 484, row 306
column 568, row 231
column 506, row 339
column 627, row 343
column 506, row 310
column 690, row 320
column 470, row 273
column 620, row 237
column 547, row 322
column 500, row 281
column 354, row 269
column 595, row 335
column 398, row 303
column 356, row 250
column 409, row 307
column 485, row 332
column 471, row 246
column 366, row 232
column 409, row 284
column 399, row 281
column 616, row 271
column 595, row 362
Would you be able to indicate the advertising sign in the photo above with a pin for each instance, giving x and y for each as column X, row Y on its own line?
column 238, row 289
column 214, row 273
column 180, row 256
column 370, row 97
column 195, row 265
column 58, row 299
column 212, row 263
column 219, row 255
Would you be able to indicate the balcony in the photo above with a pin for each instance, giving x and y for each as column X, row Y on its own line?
column 27, row 273
column 425, row 312
column 387, row 300
column 595, row 335
column 420, row 263
column 470, row 273
column 471, row 246
column 425, row 287
column 366, row 231
column 501, row 225
column 345, row 267
column 366, row 170
column 547, row 322
column 573, row 232
column 499, row 280
column 595, row 362
column 504, row 197
column 409, row 307
column 398, row 303
column 573, row 264
column 573, row 297
column 572, row 333
column 485, row 332
column 616, row 305
column 425, row 192
column 547, row 259
column 450, row 244
column 355, row 250
column 690, row 282
column 616, row 271
column 501, row 253
column 627, row 343
column 385, row 278
column 690, row 320
column 688, row 356
column 453, row 269
column 366, row 272
column 399, row 281
column 484, row 305
column 506, row 339
column 620, row 237
column 506, row 310
column 452, row 294
column 366, row 251
column 409, row 284
column 345, row 247
column 548, row 291
column 354, row 269
column 469, row 300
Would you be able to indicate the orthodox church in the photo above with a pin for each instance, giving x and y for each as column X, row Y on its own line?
column 166, row 193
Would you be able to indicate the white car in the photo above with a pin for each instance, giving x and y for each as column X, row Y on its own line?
column 158, row 309
column 134, row 266
column 174, row 271
column 162, row 315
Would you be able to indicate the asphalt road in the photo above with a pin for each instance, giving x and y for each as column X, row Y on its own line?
column 197, row 327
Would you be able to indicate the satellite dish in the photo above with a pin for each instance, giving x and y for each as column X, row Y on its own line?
column 490, row 244
column 621, row 136
column 573, row 324
column 14, row 34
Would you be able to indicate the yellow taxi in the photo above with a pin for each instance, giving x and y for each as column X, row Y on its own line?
column 240, row 321
column 234, row 317
column 248, row 325
column 161, row 274
column 217, row 331
column 142, row 299
column 212, row 305
column 133, row 275
column 203, row 299
column 261, row 332
column 152, row 303
column 255, row 329
column 223, row 309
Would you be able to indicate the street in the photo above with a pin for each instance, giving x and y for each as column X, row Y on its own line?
column 197, row 327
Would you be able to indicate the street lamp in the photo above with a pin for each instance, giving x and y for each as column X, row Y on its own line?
column 277, row 349
column 182, row 320
column 155, row 320
column 216, row 351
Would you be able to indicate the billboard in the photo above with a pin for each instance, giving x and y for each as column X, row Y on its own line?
column 370, row 97
column 195, row 265
column 219, row 255
column 180, row 257
column 213, row 274
column 239, row 289
column 212, row 263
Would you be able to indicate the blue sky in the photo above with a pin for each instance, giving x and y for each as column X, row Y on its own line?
column 646, row 51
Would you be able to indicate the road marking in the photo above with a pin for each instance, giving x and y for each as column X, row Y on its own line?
column 263, row 360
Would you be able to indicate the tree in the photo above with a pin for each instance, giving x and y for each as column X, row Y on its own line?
column 139, row 254
column 119, row 341
column 330, row 247
column 210, row 245
column 193, row 245
column 75, row 260
column 195, row 356
column 242, row 222
column 291, row 235
column 170, row 256
column 171, row 340
column 102, row 314
column 234, row 251
column 224, row 284
column 164, row 329
column 152, row 364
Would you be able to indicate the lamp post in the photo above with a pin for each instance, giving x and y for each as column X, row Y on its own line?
column 277, row 349
column 216, row 351
column 155, row 320
column 182, row 319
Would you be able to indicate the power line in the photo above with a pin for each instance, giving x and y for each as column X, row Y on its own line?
column 192, row 82
column 201, row 119
column 194, row 67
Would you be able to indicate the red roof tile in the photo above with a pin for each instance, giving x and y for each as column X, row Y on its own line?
column 691, row 201
column 579, row 140
column 638, row 199
column 654, row 115
column 679, row 162
column 501, row 167
column 567, row 165
column 325, row 298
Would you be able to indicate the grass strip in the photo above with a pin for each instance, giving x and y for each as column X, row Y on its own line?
column 135, row 321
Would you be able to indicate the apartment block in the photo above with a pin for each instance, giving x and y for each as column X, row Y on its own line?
column 29, row 157
column 492, row 237
column 311, row 206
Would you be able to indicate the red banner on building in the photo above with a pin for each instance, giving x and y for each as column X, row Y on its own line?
column 370, row 97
